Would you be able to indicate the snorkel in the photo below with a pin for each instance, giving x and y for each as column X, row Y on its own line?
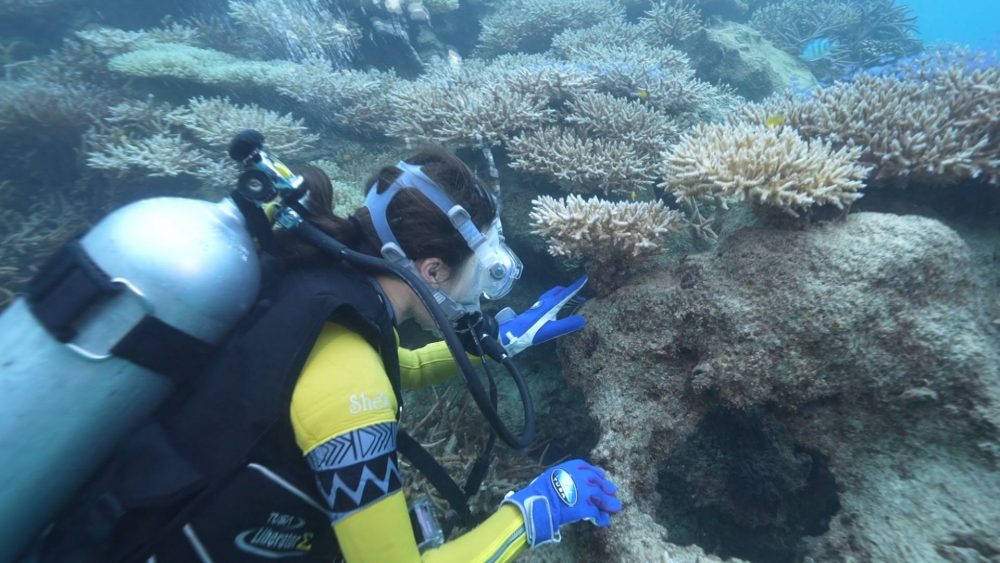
column 266, row 180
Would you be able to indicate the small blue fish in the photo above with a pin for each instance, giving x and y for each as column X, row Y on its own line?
column 818, row 49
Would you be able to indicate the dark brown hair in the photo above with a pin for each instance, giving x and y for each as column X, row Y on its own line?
column 423, row 231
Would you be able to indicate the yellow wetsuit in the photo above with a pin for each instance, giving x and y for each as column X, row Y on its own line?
column 344, row 415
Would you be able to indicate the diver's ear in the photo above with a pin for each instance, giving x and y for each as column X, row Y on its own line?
column 433, row 270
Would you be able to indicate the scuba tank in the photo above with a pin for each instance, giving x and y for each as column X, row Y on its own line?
column 107, row 324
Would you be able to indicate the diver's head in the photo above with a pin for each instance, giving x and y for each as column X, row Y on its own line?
column 432, row 215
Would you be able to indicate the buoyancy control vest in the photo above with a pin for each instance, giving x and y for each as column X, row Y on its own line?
column 217, row 474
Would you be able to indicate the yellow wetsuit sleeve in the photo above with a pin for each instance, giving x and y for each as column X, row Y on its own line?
column 344, row 415
column 426, row 366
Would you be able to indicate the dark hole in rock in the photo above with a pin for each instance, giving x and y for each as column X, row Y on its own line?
column 739, row 487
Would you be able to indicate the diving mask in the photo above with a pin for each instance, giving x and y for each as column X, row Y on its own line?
column 491, row 271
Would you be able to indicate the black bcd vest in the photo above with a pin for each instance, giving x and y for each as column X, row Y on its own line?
column 217, row 471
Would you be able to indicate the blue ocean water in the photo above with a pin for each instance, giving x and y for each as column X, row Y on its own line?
column 971, row 22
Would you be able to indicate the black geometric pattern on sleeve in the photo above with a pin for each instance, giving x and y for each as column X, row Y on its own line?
column 356, row 469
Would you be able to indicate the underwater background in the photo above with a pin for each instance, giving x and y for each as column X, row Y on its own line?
column 789, row 212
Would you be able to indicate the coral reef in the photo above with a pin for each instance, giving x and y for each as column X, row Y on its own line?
column 765, row 165
column 613, row 238
column 159, row 141
column 308, row 29
column 834, row 389
column 203, row 66
column 671, row 21
column 738, row 55
column 215, row 120
column 354, row 101
column 528, row 26
column 864, row 32
column 110, row 41
column 924, row 125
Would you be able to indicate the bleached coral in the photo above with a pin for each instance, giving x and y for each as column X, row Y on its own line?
column 204, row 66
column 152, row 139
column 529, row 25
column 661, row 76
column 614, row 33
column 607, row 144
column 863, row 32
column 579, row 163
column 482, row 104
column 613, row 238
column 308, row 28
column 764, row 165
column 932, row 129
column 112, row 41
column 160, row 155
column 671, row 21
column 636, row 123
column 215, row 120
column 352, row 100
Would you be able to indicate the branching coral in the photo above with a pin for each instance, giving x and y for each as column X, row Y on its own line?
column 603, row 115
column 613, row 238
column 111, row 41
column 611, row 145
column 671, row 21
column 529, row 25
column 926, row 127
column 308, row 28
column 485, row 104
column 157, row 141
column 765, row 165
column 583, row 164
column 352, row 100
column 215, row 121
column 863, row 31
column 204, row 66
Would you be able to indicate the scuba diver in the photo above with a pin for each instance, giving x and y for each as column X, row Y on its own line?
column 308, row 391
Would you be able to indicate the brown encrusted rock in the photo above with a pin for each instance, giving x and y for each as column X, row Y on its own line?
column 849, row 365
column 738, row 55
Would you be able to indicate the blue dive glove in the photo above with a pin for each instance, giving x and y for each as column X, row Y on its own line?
column 569, row 492
column 539, row 323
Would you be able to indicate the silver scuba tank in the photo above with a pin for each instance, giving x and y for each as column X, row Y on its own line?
column 187, row 267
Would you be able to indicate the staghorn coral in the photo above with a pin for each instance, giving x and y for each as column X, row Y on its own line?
column 152, row 139
column 922, row 126
column 354, row 101
column 765, row 165
column 529, row 25
column 613, row 238
column 204, row 66
column 309, row 28
column 614, row 33
column 864, row 31
column 215, row 120
column 160, row 155
column 608, row 144
column 604, row 115
column 661, row 76
column 671, row 21
column 580, row 163
column 480, row 104
column 110, row 41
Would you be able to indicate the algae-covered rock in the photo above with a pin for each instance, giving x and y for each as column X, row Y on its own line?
column 824, row 394
column 739, row 55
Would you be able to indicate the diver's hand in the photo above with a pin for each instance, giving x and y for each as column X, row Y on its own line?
column 539, row 323
column 569, row 492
